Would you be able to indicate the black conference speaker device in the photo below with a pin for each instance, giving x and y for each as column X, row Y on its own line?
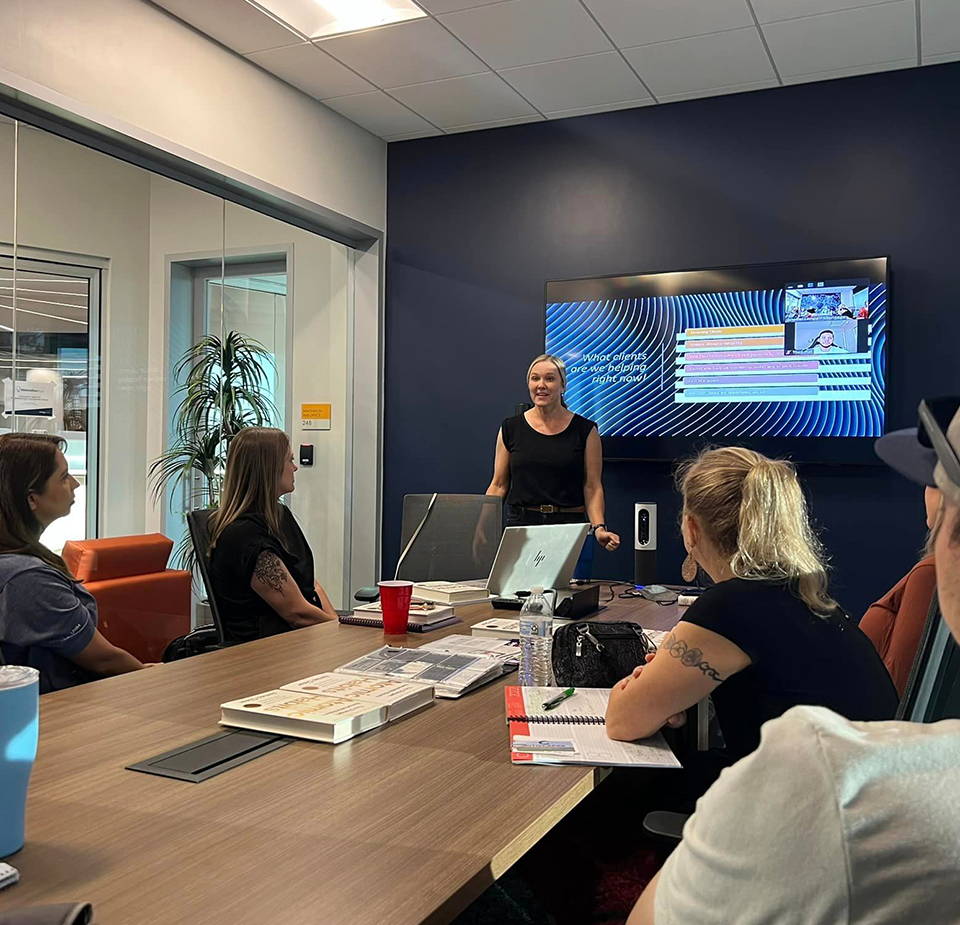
column 645, row 542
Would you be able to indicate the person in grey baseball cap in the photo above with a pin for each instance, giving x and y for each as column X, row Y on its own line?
column 895, row 622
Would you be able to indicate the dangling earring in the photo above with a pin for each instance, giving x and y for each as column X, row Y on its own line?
column 688, row 571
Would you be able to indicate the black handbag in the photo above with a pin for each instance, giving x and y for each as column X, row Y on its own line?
column 598, row 654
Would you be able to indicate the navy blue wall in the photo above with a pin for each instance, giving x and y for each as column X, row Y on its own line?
column 477, row 222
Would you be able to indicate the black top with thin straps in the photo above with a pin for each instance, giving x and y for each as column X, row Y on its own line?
column 797, row 658
column 233, row 561
column 546, row 468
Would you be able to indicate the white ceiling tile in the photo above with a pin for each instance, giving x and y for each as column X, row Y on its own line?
column 576, row 82
column 317, row 19
column 407, row 136
column 852, row 38
column 724, row 59
column 939, row 27
column 775, row 10
column 451, row 6
column 720, row 91
column 235, row 23
column 463, row 100
column 408, row 53
column 608, row 107
column 853, row 71
column 378, row 113
column 527, row 31
column 314, row 72
column 629, row 22
column 942, row 59
column 497, row 123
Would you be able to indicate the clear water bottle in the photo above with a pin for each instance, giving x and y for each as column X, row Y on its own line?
column 536, row 640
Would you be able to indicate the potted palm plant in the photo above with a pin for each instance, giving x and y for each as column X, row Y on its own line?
column 224, row 391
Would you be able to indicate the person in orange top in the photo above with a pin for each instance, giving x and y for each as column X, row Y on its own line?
column 895, row 622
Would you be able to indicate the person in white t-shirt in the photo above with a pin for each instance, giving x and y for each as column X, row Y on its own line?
column 832, row 822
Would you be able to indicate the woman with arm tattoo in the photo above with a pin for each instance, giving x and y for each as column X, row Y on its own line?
column 260, row 563
column 767, row 636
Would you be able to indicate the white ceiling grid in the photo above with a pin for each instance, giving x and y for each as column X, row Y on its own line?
column 473, row 64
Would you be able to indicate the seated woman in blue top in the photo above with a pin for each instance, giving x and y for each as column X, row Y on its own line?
column 767, row 636
column 48, row 620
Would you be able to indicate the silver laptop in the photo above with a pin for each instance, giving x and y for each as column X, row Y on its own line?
column 543, row 555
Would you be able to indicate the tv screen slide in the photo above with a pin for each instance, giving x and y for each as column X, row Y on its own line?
column 773, row 350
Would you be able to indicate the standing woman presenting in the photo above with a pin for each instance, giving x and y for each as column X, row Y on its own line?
column 549, row 460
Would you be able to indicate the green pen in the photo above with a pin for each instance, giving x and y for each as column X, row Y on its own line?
column 556, row 701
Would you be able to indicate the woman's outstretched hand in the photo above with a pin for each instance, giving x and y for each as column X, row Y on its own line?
column 609, row 541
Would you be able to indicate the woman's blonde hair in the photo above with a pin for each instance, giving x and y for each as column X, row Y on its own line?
column 753, row 511
column 561, row 371
column 251, row 484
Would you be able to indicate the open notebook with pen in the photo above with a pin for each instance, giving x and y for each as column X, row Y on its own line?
column 573, row 733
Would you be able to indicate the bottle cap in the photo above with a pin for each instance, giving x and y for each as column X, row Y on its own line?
column 537, row 589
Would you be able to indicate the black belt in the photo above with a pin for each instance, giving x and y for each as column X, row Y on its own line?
column 553, row 509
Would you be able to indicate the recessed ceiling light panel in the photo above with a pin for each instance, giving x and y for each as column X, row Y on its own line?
column 322, row 18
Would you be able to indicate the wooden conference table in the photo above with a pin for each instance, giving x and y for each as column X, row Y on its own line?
column 403, row 825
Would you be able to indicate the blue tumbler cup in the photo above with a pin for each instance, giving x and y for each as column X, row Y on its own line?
column 19, row 722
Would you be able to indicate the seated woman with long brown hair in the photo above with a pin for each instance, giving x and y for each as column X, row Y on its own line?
column 767, row 636
column 48, row 620
column 260, row 563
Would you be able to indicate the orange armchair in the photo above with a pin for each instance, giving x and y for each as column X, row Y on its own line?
column 142, row 604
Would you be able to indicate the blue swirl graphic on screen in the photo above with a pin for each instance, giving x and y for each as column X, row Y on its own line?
column 659, row 367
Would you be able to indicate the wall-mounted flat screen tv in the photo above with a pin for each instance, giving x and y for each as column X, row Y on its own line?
column 789, row 358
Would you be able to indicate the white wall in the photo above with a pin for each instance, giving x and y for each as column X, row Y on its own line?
column 74, row 201
column 135, row 63
column 128, row 63
column 185, row 222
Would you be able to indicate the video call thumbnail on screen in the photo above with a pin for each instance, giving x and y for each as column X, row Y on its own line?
column 768, row 350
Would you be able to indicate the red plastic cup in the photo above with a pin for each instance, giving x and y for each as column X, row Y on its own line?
column 395, row 605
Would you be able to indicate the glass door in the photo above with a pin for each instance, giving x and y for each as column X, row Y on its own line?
column 249, row 297
column 49, row 367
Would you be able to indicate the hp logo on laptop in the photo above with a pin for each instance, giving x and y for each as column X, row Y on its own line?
column 538, row 558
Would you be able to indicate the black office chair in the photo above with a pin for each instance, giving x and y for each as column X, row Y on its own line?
column 932, row 691
column 198, row 524
column 664, row 826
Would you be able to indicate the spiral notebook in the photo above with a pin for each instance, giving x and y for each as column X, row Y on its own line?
column 413, row 625
column 587, row 706
column 573, row 732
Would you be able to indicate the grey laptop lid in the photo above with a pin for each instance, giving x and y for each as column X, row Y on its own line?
column 542, row 555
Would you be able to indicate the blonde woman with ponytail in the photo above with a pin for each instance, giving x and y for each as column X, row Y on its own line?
column 767, row 636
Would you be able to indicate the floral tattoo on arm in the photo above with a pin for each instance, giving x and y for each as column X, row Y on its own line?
column 691, row 657
column 270, row 571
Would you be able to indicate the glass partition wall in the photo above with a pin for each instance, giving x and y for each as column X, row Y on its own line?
column 115, row 285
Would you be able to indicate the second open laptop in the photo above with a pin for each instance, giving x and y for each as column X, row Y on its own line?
column 529, row 556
